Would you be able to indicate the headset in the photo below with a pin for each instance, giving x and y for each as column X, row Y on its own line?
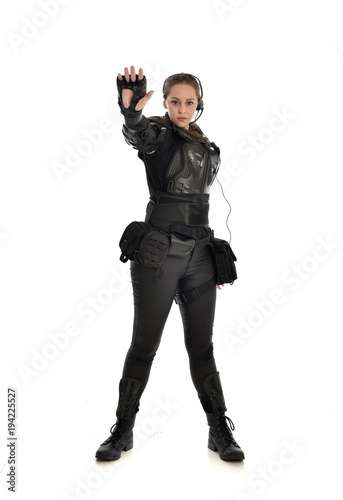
column 200, row 106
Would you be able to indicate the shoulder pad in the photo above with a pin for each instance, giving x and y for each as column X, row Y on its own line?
column 215, row 147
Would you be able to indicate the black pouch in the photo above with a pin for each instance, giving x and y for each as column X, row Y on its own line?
column 141, row 242
column 225, row 261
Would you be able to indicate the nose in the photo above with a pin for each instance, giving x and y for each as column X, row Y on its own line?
column 182, row 108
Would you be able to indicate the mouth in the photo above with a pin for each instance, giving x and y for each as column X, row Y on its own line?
column 181, row 119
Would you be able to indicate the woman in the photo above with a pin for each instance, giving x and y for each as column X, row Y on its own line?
column 176, row 261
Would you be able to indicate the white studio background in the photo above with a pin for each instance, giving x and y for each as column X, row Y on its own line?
column 272, row 73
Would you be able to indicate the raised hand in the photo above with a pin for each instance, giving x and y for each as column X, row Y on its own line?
column 127, row 93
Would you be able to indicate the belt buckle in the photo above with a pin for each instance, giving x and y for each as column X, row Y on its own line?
column 181, row 246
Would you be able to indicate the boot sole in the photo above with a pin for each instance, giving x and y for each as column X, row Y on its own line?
column 235, row 456
column 110, row 458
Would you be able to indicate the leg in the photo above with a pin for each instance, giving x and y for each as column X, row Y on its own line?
column 198, row 318
column 121, row 437
column 153, row 298
column 220, row 437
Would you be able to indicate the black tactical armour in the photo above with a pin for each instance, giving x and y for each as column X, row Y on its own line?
column 177, row 165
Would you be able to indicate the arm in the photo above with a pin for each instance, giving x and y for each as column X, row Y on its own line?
column 132, row 97
column 143, row 137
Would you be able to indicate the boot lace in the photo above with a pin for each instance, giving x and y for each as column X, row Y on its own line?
column 115, row 435
column 225, row 430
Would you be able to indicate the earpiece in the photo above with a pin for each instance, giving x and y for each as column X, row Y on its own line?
column 200, row 106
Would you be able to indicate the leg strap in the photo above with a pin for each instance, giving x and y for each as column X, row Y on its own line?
column 183, row 297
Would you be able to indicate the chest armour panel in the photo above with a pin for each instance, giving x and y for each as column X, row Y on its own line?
column 192, row 169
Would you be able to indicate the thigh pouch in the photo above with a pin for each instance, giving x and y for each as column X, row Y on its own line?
column 141, row 242
column 225, row 261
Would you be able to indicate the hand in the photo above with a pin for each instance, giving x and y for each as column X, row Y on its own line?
column 127, row 93
column 219, row 287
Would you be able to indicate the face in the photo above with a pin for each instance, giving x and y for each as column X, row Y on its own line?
column 181, row 104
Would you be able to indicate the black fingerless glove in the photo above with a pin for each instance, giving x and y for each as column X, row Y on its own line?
column 131, row 116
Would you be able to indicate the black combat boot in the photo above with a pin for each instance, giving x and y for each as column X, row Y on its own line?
column 130, row 391
column 220, row 437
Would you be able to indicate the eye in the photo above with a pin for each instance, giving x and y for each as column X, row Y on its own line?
column 190, row 102
column 174, row 102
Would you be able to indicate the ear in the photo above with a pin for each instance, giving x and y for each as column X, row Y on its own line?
column 164, row 104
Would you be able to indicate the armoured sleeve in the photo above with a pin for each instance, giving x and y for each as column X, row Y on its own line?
column 144, row 136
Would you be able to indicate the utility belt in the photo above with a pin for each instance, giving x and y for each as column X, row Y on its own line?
column 142, row 242
column 165, row 209
column 150, row 246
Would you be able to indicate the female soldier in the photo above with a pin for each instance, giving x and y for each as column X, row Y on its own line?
column 175, row 258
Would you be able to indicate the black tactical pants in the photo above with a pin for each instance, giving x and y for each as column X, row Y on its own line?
column 153, row 297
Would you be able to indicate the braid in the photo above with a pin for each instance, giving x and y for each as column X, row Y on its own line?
column 194, row 132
